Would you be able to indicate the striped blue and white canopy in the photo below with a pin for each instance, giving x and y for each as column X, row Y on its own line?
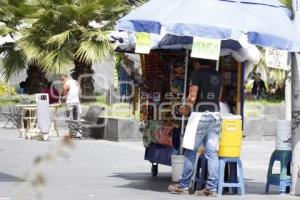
column 264, row 22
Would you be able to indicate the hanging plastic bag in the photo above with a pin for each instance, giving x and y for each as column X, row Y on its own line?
column 43, row 113
column 164, row 135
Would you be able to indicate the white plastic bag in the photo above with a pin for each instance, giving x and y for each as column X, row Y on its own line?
column 43, row 113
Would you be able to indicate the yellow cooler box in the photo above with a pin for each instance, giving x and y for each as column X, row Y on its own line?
column 231, row 136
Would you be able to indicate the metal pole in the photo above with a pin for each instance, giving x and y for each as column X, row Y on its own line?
column 218, row 65
column 184, row 98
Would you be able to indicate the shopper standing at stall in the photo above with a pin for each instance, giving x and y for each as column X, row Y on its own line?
column 204, row 96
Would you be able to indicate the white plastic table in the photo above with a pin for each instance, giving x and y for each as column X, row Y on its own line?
column 29, row 127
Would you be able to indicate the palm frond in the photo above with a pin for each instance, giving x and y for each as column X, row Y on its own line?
column 12, row 12
column 68, row 11
column 4, row 30
column 15, row 2
column 60, row 31
column 57, row 61
column 60, row 39
column 3, row 3
column 94, row 47
column 13, row 63
column 26, row 11
column 30, row 50
column 114, row 9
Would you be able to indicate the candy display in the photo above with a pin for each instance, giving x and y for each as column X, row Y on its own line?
column 164, row 77
column 177, row 67
column 164, row 74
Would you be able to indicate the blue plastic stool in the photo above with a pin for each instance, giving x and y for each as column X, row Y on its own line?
column 234, row 182
column 283, row 180
column 201, row 171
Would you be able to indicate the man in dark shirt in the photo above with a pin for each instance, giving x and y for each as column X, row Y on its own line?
column 204, row 95
column 259, row 87
column 209, row 83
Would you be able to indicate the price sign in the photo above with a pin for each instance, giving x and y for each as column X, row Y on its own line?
column 276, row 58
column 143, row 43
column 206, row 48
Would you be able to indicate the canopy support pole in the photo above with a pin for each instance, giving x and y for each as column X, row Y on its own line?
column 184, row 98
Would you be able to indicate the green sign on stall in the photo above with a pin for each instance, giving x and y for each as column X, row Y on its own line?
column 206, row 48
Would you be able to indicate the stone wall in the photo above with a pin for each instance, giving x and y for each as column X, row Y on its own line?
column 262, row 127
column 122, row 130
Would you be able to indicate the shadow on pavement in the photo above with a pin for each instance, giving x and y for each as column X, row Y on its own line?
column 144, row 181
column 258, row 188
column 9, row 178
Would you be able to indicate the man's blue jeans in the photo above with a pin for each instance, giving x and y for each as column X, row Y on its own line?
column 208, row 135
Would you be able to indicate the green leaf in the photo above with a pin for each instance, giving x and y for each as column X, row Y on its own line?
column 59, row 31
column 57, row 61
column 31, row 51
column 94, row 47
column 13, row 63
column 4, row 30
column 60, row 39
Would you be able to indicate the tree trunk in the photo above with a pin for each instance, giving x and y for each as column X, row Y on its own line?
column 296, row 123
column 35, row 81
column 296, row 108
column 83, row 73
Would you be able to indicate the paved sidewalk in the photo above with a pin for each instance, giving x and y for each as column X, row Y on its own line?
column 105, row 170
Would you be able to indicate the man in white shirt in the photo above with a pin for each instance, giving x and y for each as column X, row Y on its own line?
column 70, row 95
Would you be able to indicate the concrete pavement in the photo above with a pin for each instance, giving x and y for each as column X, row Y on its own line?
column 110, row 171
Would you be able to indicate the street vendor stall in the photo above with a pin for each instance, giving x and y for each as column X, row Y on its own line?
column 164, row 77
column 185, row 25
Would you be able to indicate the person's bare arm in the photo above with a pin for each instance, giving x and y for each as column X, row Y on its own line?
column 221, row 94
column 193, row 92
column 191, row 100
column 66, row 89
column 79, row 89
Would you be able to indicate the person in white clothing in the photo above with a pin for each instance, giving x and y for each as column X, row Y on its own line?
column 70, row 96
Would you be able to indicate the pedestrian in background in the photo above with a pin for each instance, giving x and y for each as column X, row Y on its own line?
column 21, row 88
column 259, row 88
column 52, row 93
